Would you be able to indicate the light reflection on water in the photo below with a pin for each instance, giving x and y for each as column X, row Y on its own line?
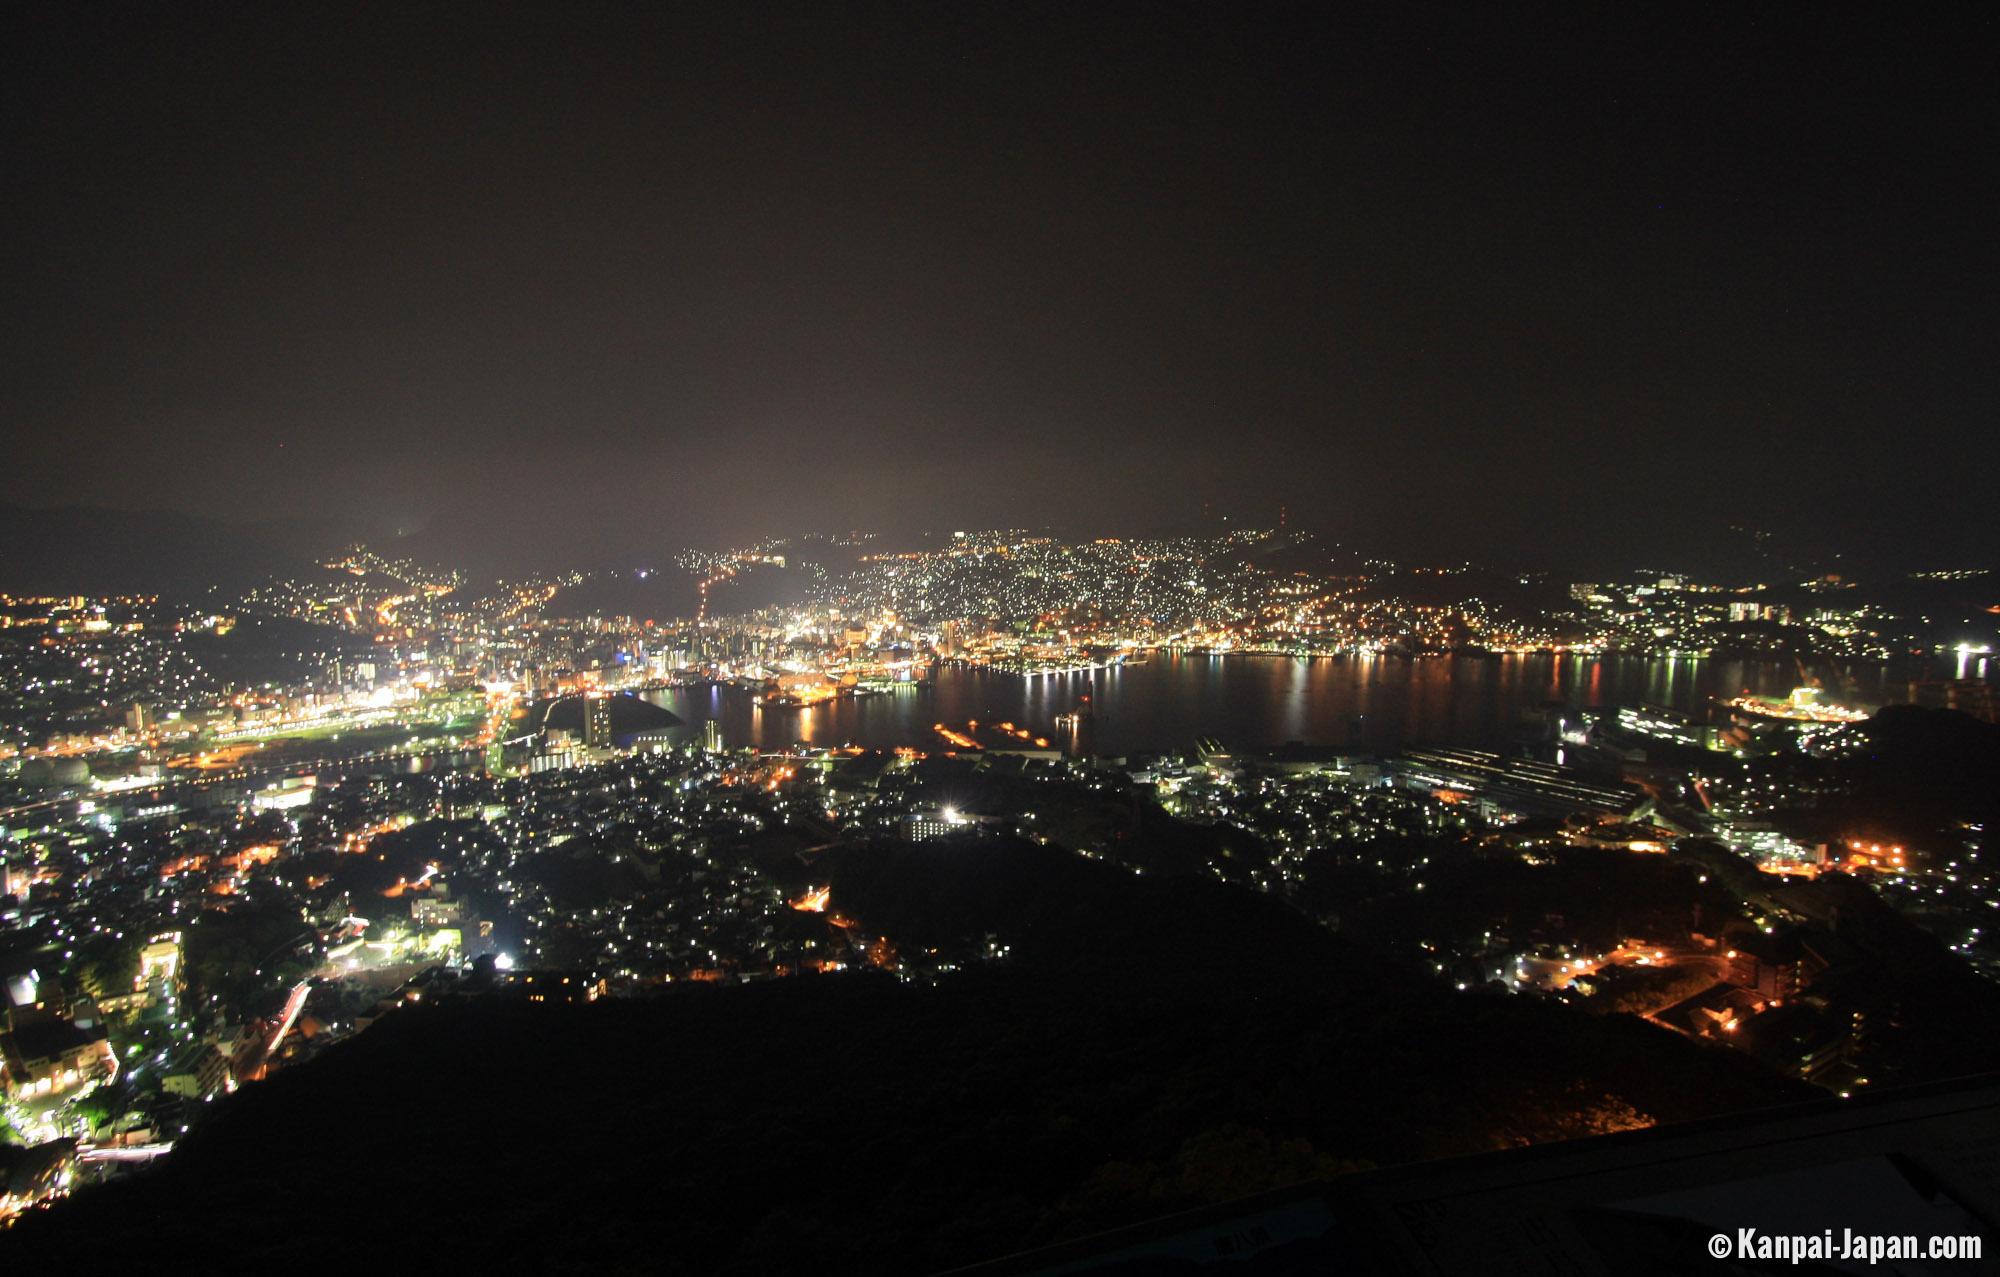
column 1250, row 701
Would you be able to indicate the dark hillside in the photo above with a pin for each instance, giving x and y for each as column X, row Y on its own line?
column 1149, row 1044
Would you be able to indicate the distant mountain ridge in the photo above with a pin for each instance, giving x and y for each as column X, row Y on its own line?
column 82, row 550
column 92, row 550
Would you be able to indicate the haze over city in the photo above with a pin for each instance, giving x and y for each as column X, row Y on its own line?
column 1601, row 285
column 1020, row 639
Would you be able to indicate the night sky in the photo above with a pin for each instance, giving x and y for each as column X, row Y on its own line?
column 1528, row 283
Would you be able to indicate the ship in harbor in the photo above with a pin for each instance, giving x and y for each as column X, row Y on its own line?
column 815, row 686
column 1804, row 707
column 810, row 688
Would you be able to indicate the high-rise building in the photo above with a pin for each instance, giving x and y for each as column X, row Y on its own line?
column 597, row 722
column 711, row 736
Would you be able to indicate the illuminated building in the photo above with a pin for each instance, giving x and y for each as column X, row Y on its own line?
column 42, row 1054
column 559, row 758
column 200, row 1073
column 1768, row 965
column 711, row 736
column 1664, row 724
column 1520, row 784
column 562, row 987
column 597, row 722
column 296, row 791
column 929, row 826
column 160, row 966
